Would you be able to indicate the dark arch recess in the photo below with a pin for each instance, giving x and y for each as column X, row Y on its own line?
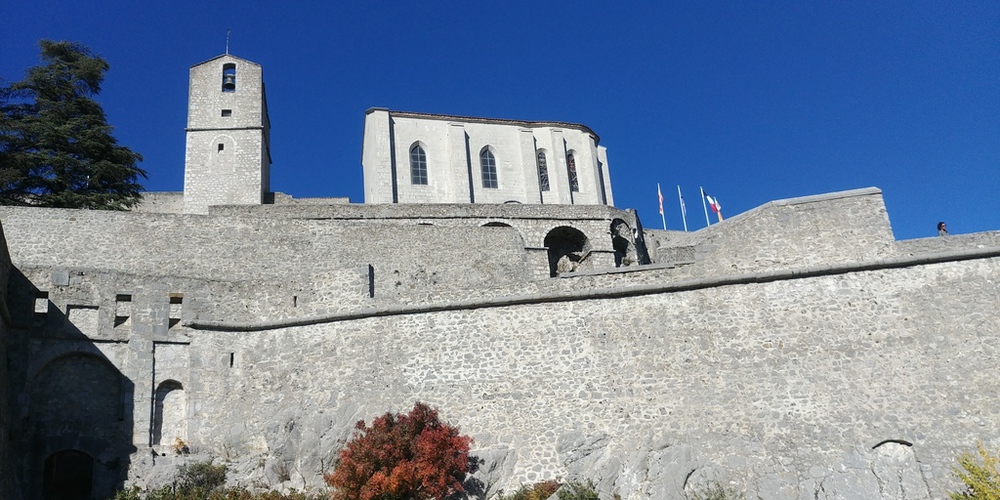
column 567, row 248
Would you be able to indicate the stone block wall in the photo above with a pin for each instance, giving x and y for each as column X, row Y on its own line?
column 787, row 388
column 316, row 256
column 847, row 226
column 828, row 363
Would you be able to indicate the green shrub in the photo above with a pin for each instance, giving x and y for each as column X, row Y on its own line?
column 981, row 474
column 537, row 491
column 204, row 481
column 574, row 490
column 201, row 477
column 716, row 491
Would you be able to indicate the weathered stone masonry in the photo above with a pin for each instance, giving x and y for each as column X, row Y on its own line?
column 824, row 360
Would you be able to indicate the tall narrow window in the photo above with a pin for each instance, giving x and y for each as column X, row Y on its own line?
column 229, row 77
column 574, row 181
column 489, row 166
column 418, row 165
column 543, row 172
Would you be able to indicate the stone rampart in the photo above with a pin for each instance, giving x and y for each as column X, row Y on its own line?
column 837, row 227
column 788, row 387
column 827, row 361
column 324, row 259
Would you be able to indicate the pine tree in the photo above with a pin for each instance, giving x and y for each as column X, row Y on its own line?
column 56, row 147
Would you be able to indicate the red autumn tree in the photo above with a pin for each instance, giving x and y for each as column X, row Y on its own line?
column 401, row 457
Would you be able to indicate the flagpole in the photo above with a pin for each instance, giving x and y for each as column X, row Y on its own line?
column 704, row 206
column 683, row 208
column 659, row 196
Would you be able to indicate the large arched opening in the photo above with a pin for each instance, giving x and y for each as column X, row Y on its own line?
column 568, row 248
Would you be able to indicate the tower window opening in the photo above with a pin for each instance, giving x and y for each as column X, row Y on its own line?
column 221, row 147
column 227, row 112
column 229, row 77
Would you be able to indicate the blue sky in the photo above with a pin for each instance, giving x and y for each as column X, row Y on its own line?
column 755, row 101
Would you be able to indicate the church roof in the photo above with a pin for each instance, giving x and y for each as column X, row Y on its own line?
column 230, row 56
column 500, row 121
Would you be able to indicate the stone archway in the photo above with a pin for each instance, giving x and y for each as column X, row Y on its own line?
column 568, row 248
column 622, row 241
column 69, row 475
column 169, row 414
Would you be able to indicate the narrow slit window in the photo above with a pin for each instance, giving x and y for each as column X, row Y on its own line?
column 221, row 147
column 229, row 77
column 227, row 112
column 574, row 181
column 489, row 166
column 543, row 172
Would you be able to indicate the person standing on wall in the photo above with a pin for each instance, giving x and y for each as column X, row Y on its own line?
column 942, row 229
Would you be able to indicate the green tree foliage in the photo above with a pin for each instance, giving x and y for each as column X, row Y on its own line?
column 980, row 472
column 401, row 457
column 56, row 147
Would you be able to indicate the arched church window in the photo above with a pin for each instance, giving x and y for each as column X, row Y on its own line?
column 418, row 165
column 574, row 181
column 489, row 166
column 543, row 172
column 229, row 77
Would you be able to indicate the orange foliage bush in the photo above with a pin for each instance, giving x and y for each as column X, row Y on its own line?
column 402, row 457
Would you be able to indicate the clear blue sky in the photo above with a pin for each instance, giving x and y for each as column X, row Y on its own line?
column 754, row 100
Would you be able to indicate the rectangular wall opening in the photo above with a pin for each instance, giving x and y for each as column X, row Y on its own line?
column 123, row 310
column 41, row 306
column 176, row 305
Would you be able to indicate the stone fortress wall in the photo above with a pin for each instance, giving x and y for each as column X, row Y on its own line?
column 796, row 350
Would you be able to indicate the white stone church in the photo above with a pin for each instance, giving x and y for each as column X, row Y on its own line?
column 407, row 157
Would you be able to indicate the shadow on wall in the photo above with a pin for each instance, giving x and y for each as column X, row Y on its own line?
column 76, row 425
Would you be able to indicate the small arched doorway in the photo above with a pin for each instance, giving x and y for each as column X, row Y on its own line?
column 568, row 248
column 169, row 414
column 69, row 475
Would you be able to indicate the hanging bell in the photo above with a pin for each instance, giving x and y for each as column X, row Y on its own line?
column 229, row 83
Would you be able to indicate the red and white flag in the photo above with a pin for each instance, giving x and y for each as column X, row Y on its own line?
column 658, row 193
column 712, row 202
column 716, row 206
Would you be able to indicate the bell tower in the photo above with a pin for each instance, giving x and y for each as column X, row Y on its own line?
column 227, row 160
